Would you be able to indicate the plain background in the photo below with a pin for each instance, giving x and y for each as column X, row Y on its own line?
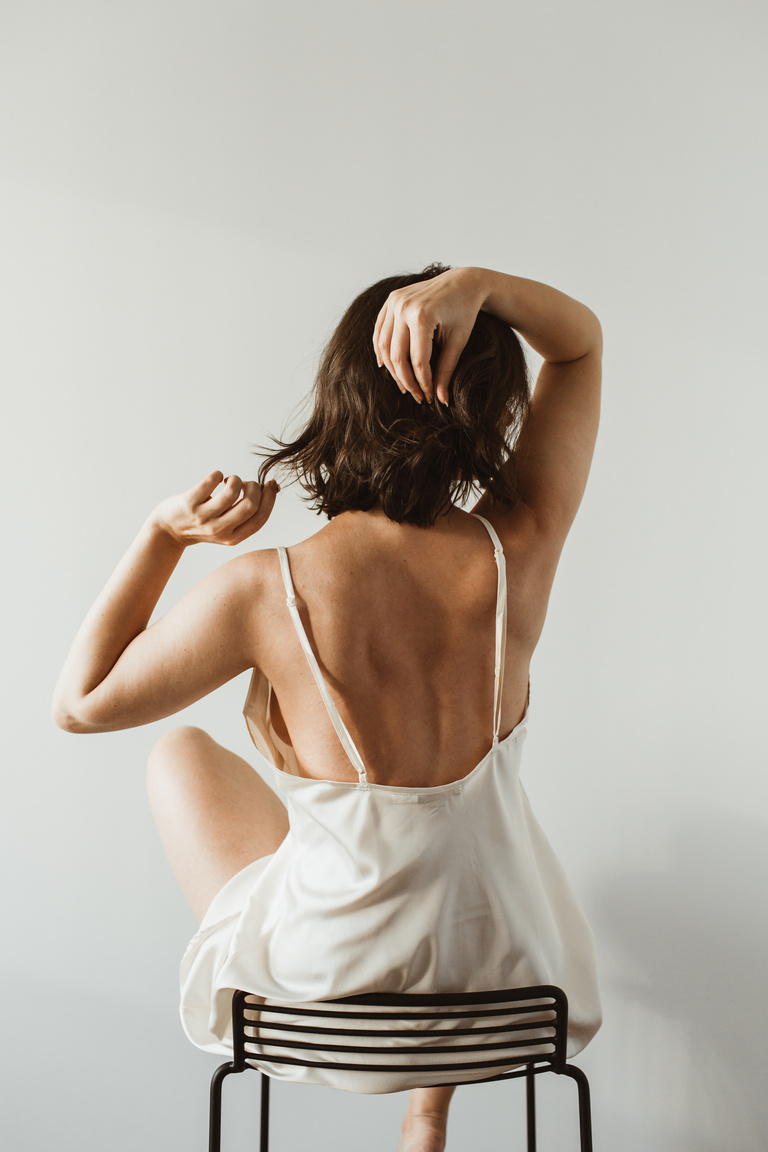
column 191, row 194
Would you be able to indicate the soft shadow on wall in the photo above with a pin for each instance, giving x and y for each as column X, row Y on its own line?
column 693, row 939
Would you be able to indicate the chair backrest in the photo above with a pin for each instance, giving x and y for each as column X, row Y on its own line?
column 457, row 1037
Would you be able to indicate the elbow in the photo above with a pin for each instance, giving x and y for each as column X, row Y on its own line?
column 594, row 349
column 66, row 718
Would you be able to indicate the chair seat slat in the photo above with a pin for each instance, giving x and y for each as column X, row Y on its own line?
column 361, row 1049
column 465, row 1067
column 404, row 1033
column 299, row 1010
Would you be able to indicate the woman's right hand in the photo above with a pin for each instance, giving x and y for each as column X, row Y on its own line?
column 216, row 511
column 443, row 309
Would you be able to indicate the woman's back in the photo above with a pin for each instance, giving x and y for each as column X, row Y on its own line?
column 401, row 620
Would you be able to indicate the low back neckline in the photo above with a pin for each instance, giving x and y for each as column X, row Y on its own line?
column 340, row 727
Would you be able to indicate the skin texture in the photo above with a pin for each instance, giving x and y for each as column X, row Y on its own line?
column 401, row 618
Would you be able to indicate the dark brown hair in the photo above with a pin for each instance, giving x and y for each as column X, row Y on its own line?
column 366, row 444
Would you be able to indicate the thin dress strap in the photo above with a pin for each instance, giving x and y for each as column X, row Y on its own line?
column 347, row 742
column 501, row 625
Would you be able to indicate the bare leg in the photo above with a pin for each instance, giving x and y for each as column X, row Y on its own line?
column 213, row 811
column 425, row 1120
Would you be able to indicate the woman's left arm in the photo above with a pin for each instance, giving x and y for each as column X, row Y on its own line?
column 119, row 673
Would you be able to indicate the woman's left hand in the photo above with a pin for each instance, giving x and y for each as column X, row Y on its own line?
column 217, row 511
column 412, row 319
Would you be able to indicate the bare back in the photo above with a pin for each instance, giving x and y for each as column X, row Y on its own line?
column 401, row 620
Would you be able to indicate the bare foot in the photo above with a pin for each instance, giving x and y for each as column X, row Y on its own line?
column 423, row 1132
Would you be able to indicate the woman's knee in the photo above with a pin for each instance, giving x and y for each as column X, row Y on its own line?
column 178, row 754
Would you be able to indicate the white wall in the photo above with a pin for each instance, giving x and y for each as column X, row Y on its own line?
column 191, row 194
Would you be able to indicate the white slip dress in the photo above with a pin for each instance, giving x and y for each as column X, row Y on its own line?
column 453, row 888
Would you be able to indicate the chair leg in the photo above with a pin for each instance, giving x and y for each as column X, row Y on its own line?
column 530, row 1109
column 585, row 1107
column 264, row 1139
column 214, row 1120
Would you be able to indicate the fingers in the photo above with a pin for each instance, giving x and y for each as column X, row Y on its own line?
column 443, row 308
column 384, row 345
column 241, row 502
column 266, row 502
column 203, row 490
column 235, row 511
column 403, row 338
column 446, row 364
column 422, row 337
column 376, row 330
column 228, row 493
column 400, row 356
column 403, row 344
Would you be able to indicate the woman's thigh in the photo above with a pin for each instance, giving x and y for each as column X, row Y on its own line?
column 213, row 811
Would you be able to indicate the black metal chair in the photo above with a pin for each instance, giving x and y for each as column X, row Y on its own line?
column 524, row 1027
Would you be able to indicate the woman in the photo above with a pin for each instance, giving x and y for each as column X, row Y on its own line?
column 390, row 666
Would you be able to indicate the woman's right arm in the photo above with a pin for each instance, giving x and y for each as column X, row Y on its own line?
column 554, row 449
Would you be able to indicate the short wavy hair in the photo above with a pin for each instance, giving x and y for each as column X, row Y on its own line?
column 367, row 445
